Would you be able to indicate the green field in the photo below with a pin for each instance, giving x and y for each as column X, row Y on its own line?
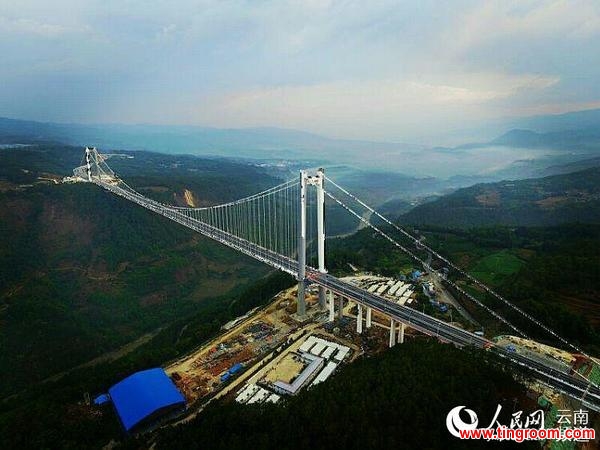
column 494, row 268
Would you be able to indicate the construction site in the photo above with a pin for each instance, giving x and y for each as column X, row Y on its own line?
column 398, row 291
column 268, row 353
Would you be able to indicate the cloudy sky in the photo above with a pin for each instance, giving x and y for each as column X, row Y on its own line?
column 381, row 70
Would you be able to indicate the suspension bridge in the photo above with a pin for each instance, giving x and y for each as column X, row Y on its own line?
column 276, row 225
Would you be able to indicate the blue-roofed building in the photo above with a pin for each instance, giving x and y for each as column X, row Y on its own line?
column 145, row 396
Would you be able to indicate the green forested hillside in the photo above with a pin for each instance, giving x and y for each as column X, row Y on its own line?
column 83, row 272
column 52, row 414
column 534, row 240
column 566, row 198
column 553, row 273
column 164, row 177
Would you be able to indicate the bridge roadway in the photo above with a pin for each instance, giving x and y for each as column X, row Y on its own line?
column 565, row 382
column 572, row 385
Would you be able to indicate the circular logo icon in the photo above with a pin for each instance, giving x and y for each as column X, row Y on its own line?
column 455, row 424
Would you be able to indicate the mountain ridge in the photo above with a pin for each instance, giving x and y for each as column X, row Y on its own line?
column 546, row 201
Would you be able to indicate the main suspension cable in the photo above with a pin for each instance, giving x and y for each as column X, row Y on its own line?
column 416, row 258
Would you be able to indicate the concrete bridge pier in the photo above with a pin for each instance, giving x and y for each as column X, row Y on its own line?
column 331, row 304
column 341, row 308
column 301, row 306
column 392, row 333
column 401, row 333
column 359, row 319
column 322, row 297
column 369, row 314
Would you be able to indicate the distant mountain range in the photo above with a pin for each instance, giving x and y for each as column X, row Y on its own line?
column 529, row 149
column 586, row 139
column 553, row 200
column 252, row 143
column 576, row 120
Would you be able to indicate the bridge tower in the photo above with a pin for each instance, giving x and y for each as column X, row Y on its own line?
column 88, row 162
column 318, row 181
column 321, row 231
column 301, row 307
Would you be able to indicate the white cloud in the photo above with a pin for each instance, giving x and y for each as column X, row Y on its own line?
column 522, row 20
column 31, row 27
column 366, row 107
